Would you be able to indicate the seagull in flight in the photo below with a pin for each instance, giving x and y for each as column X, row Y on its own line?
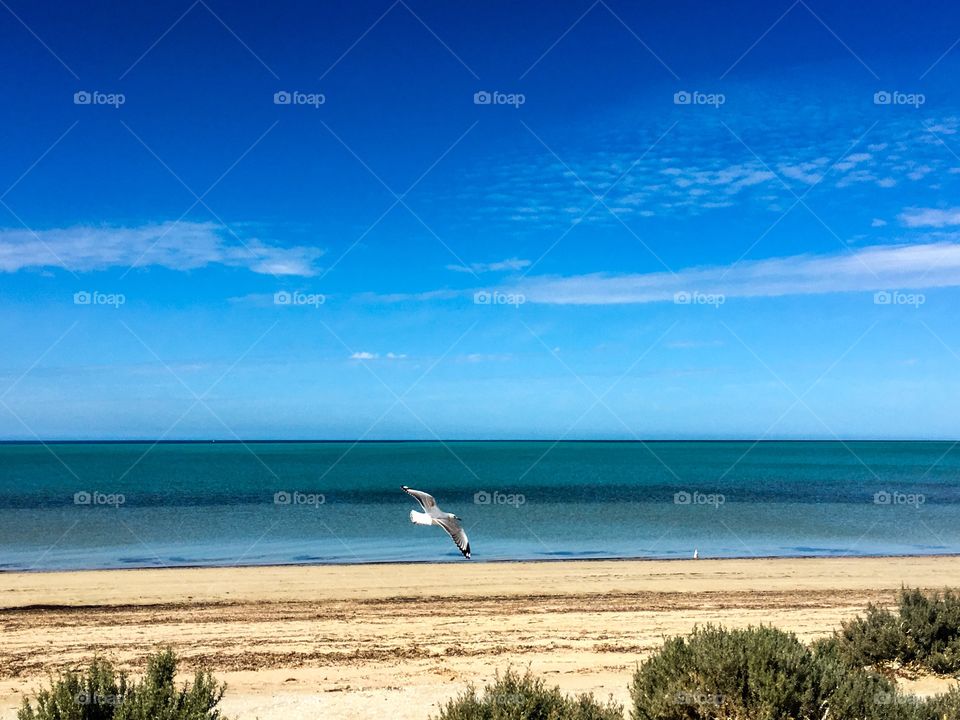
column 433, row 515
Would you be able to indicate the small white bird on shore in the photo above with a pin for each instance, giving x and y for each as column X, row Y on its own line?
column 696, row 554
column 433, row 515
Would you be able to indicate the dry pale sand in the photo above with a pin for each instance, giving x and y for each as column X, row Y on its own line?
column 379, row 641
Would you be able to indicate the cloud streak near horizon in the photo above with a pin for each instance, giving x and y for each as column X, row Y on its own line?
column 177, row 246
column 870, row 269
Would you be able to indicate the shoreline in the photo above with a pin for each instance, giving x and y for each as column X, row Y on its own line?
column 474, row 561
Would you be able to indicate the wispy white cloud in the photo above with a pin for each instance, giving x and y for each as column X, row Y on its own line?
column 510, row 264
column 809, row 173
column 888, row 267
column 426, row 296
column 363, row 355
column 930, row 217
column 176, row 246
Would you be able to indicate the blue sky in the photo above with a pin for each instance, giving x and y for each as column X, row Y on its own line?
column 670, row 220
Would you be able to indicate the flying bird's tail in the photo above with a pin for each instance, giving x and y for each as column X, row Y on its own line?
column 419, row 518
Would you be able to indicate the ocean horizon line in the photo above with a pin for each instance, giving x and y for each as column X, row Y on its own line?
column 328, row 441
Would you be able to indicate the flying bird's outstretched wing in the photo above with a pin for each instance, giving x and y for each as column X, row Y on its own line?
column 433, row 515
column 457, row 533
column 425, row 499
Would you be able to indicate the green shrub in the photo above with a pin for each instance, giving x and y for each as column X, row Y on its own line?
column 101, row 693
column 875, row 638
column 931, row 626
column 524, row 697
column 851, row 692
column 91, row 695
column 944, row 707
column 924, row 629
column 756, row 674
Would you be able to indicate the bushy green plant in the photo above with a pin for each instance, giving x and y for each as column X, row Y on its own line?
column 931, row 626
column 89, row 695
column 524, row 697
column 868, row 640
column 944, row 707
column 757, row 674
column 101, row 693
column 851, row 692
column 924, row 629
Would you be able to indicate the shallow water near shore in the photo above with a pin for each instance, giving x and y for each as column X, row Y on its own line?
column 114, row 505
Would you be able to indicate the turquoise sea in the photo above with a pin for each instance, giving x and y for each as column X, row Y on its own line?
column 108, row 505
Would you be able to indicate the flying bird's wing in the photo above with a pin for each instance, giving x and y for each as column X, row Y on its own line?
column 425, row 499
column 455, row 530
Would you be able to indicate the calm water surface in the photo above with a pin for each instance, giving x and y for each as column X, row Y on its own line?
column 102, row 505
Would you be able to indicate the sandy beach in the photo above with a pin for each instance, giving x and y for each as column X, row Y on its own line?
column 398, row 640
